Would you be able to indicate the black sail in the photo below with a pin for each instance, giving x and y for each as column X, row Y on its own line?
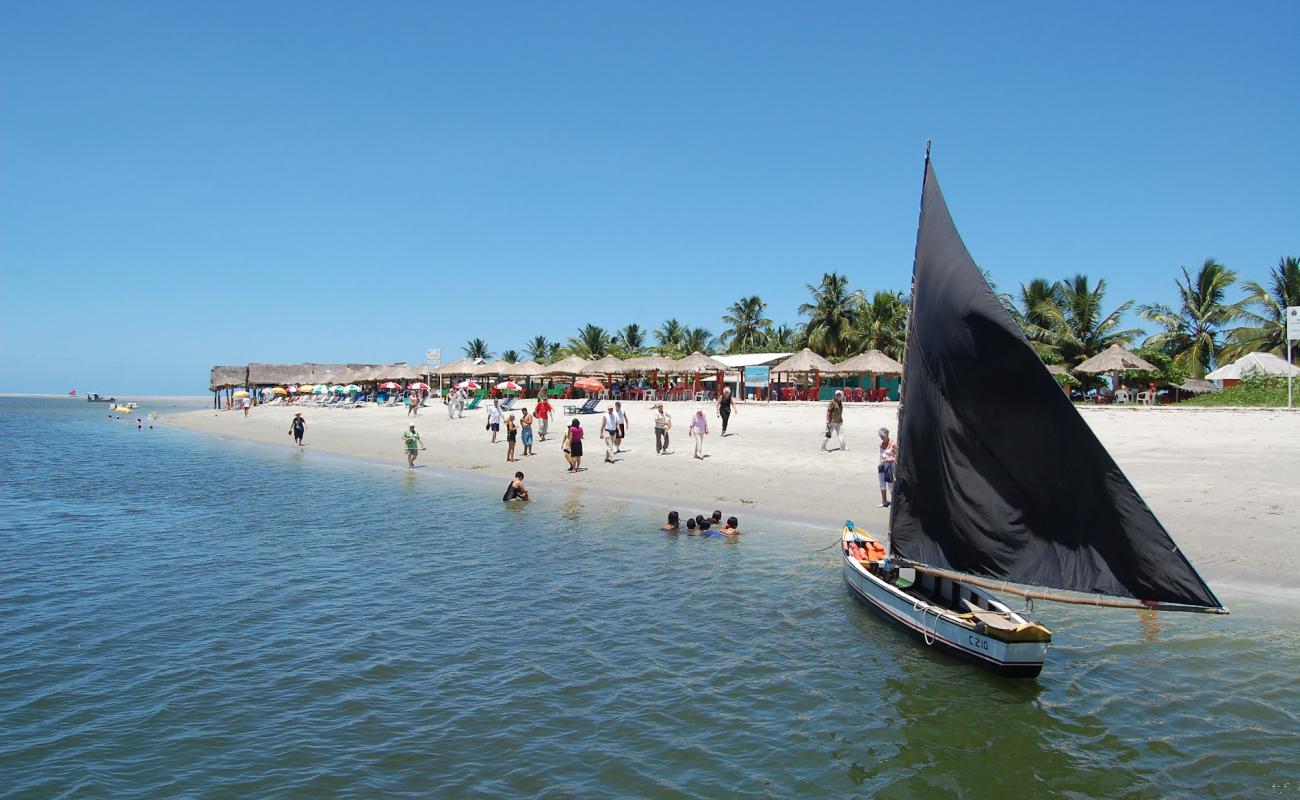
column 997, row 474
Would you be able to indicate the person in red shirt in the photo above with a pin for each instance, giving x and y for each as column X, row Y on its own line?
column 543, row 414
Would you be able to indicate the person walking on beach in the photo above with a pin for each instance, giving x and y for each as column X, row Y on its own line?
column 413, row 444
column 885, row 470
column 512, row 433
column 622, row 427
column 526, row 432
column 451, row 403
column 699, row 429
column 611, row 434
column 726, row 404
column 543, row 413
column 246, row 404
column 494, row 416
column 573, row 445
column 297, row 428
column 835, row 421
column 663, row 423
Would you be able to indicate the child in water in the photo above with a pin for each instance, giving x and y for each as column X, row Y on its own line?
column 516, row 490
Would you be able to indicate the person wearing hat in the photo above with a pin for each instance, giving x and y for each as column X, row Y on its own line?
column 297, row 428
column 413, row 444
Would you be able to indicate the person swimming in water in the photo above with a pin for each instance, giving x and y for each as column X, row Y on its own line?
column 732, row 528
column 674, row 522
column 691, row 526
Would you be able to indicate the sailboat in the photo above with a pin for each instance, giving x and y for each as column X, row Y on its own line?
column 996, row 490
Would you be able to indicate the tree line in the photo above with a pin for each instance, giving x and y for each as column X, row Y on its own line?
column 1066, row 321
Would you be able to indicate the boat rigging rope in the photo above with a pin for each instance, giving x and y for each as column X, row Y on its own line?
column 827, row 547
column 928, row 635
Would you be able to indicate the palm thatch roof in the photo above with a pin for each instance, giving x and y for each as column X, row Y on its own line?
column 277, row 374
column 805, row 361
column 1115, row 359
column 490, row 369
column 1057, row 369
column 605, row 366
column 571, row 365
column 698, row 362
column 527, row 369
column 1196, row 386
column 872, row 362
column 227, row 377
column 648, row 364
column 460, row 367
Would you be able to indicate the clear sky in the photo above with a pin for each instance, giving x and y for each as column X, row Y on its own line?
column 183, row 184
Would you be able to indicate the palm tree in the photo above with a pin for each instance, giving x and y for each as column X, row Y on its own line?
column 698, row 340
column 1192, row 331
column 831, row 315
column 1078, row 329
column 631, row 339
column 670, row 336
column 554, row 352
column 782, row 338
column 1264, row 312
column 882, row 325
column 538, row 349
column 510, row 356
column 1032, row 313
column 477, row 348
column 749, row 328
column 591, row 342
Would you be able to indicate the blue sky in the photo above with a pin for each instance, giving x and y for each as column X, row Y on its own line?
column 184, row 184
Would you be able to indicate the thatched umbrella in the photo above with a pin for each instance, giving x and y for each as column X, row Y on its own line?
column 872, row 362
column 805, row 361
column 648, row 364
column 461, row 367
column 527, row 369
column 605, row 366
column 698, row 362
column 1057, row 369
column 227, row 377
column 571, row 365
column 1115, row 359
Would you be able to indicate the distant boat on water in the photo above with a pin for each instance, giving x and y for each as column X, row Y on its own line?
column 95, row 397
column 997, row 490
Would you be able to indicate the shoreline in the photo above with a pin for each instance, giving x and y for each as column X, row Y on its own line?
column 772, row 468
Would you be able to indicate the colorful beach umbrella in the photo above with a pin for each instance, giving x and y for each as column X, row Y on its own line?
column 240, row 393
column 589, row 385
column 509, row 386
column 276, row 390
column 470, row 385
column 339, row 389
column 291, row 389
column 320, row 388
column 306, row 388
column 420, row 387
column 352, row 388
column 390, row 385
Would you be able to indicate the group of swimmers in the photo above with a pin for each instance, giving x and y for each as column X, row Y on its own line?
column 700, row 525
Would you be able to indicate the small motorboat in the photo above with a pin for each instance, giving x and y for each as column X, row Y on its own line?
column 96, row 397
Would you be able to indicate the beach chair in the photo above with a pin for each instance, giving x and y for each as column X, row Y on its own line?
column 507, row 403
column 588, row 407
column 473, row 402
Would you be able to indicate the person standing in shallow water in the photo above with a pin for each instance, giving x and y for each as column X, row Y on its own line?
column 411, row 440
column 298, row 428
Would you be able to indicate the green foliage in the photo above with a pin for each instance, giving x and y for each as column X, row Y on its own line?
column 1193, row 331
column 832, row 315
column 670, row 336
column 1077, row 329
column 749, row 328
column 1263, row 313
column 477, row 348
column 631, row 341
column 511, row 356
column 1170, row 372
column 1264, row 391
column 882, row 324
column 591, row 342
column 538, row 349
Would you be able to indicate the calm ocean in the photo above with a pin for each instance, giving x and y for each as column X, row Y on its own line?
column 187, row 617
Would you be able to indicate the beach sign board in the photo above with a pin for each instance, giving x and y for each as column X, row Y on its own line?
column 433, row 356
column 758, row 376
column 1293, row 322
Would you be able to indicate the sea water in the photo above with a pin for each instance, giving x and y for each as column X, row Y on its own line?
column 182, row 616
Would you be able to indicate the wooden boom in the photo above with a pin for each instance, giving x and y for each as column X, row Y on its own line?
column 1033, row 594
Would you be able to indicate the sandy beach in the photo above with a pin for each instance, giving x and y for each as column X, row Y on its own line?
column 1220, row 480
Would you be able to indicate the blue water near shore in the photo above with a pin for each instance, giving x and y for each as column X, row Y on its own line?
column 186, row 617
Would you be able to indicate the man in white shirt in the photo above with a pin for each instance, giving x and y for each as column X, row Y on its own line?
column 663, row 422
column 611, row 434
column 622, row 427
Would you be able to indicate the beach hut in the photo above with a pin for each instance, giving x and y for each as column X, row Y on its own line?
column 873, row 363
column 697, row 363
column 805, row 362
column 226, row 378
column 1115, row 359
column 1253, row 363
column 572, row 365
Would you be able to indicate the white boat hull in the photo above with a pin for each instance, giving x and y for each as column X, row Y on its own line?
column 954, row 633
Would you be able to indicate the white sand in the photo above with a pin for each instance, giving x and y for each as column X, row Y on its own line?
column 1222, row 481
